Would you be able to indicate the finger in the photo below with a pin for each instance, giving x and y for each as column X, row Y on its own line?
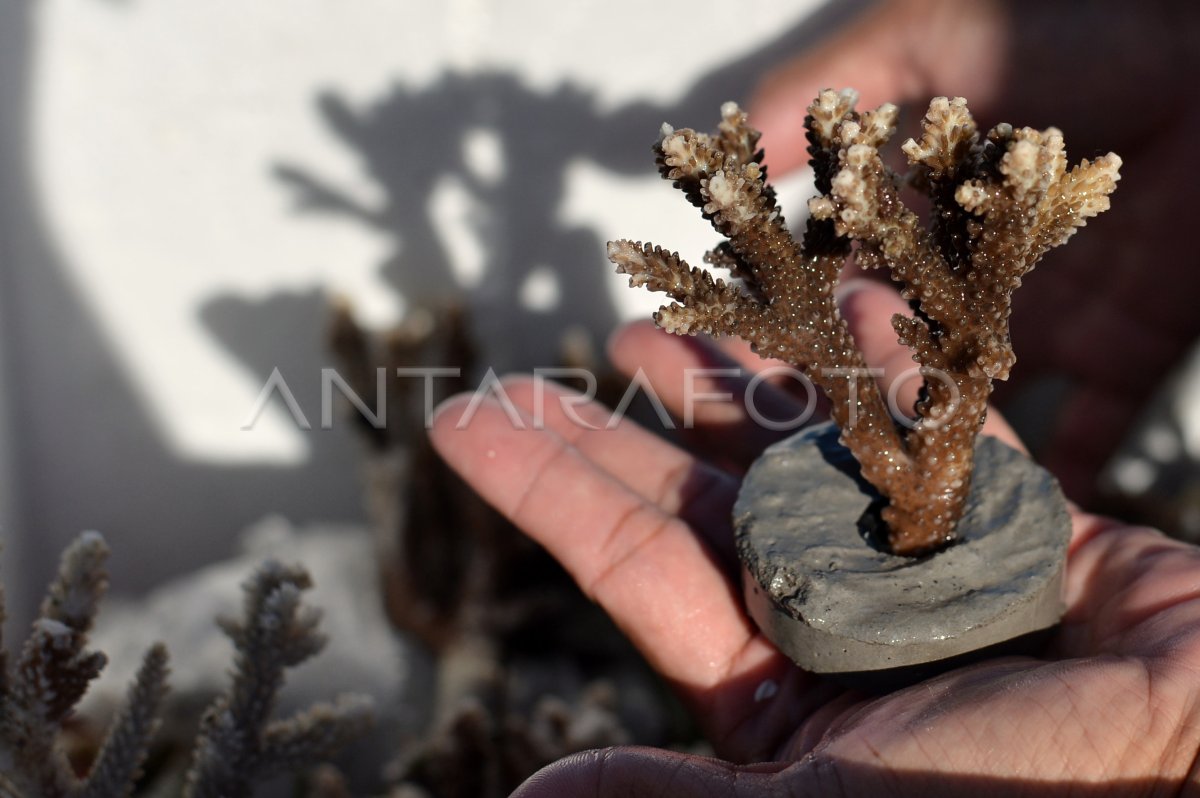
column 744, row 355
column 862, row 56
column 777, row 373
column 868, row 307
column 648, row 570
column 1091, row 424
column 665, row 475
column 899, row 51
column 736, row 413
column 1131, row 591
column 764, row 697
column 633, row 772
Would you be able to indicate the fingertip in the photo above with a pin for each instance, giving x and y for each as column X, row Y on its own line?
column 628, row 336
column 468, row 421
column 517, row 381
column 635, row 771
column 777, row 112
column 567, row 776
column 741, row 354
column 996, row 426
column 854, row 294
column 871, row 53
column 868, row 306
column 446, row 413
column 444, row 429
column 632, row 345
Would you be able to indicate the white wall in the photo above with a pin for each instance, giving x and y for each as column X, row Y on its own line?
column 158, row 263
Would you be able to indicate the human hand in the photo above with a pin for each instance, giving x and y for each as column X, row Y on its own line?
column 644, row 528
column 1114, row 311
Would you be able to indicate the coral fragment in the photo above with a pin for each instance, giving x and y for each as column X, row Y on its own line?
column 999, row 202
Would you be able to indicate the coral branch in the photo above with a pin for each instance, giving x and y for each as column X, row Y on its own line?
column 51, row 676
column 73, row 598
column 237, row 745
column 119, row 762
column 998, row 204
column 317, row 731
column 706, row 304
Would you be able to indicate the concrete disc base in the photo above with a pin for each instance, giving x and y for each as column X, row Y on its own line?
column 824, row 590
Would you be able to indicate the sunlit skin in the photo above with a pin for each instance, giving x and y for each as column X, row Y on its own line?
column 1112, row 707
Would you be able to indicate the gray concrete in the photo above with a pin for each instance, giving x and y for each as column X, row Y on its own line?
column 836, row 604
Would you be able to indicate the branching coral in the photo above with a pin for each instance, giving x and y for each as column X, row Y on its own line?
column 239, row 744
column 51, row 676
column 999, row 202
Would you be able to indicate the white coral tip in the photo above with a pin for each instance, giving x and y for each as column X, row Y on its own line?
column 55, row 630
column 849, row 130
column 971, row 196
column 721, row 190
column 91, row 537
column 821, row 208
column 677, row 148
column 860, row 154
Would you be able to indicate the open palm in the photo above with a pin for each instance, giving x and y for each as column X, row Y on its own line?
column 1113, row 706
column 644, row 528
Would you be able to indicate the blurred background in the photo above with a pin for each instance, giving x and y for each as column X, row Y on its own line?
column 187, row 185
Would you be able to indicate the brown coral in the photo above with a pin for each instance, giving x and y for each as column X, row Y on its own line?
column 999, row 202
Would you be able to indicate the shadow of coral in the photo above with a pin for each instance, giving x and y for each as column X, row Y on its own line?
column 84, row 451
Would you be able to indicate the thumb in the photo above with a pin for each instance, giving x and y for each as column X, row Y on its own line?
column 631, row 772
column 899, row 51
